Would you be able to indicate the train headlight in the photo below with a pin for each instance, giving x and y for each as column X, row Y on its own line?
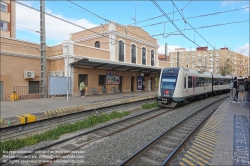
column 166, row 92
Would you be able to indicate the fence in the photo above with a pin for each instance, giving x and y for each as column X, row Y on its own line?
column 27, row 92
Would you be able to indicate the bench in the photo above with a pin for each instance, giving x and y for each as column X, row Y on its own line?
column 114, row 90
column 93, row 90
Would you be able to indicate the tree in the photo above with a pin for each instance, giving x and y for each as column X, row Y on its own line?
column 226, row 68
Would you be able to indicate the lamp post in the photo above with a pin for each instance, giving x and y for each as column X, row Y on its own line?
column 67, row 47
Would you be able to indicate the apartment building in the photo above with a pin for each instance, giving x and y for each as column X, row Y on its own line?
column 211, row 60
column 7, row 18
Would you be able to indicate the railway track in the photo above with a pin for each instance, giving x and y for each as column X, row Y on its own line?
column 81, row 140
column 21, row 131
column 163, row 149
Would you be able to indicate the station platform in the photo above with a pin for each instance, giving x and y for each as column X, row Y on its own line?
column 223, row 140
column 26, row 111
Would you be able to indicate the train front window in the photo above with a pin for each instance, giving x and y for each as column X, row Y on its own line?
column 168, row 82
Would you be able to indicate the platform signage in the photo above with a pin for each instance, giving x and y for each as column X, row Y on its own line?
column 139, row 83
column 241, row 153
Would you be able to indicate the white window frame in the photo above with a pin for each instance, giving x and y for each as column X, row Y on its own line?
column 4, row 28
column 145, row 54
column 135, row 53
column 6, row 7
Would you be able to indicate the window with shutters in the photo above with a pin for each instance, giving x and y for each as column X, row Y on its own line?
column 33, row 87
column 152, row 57
column 133, row 53
column 121, row 51
column 143, row 55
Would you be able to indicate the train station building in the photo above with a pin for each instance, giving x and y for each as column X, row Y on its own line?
column 109, row 58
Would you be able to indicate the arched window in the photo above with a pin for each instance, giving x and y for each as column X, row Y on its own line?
column 133, row 54
column 143, row 55
column 152, row 57
column 97, row 44
column 121, row 51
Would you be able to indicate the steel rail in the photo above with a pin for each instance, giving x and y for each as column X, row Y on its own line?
column 88, row 132
column 175, row 151
column 140, row 151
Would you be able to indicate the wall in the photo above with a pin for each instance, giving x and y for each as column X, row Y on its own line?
column 91, row 52
column 12, row 71
column 85, row 33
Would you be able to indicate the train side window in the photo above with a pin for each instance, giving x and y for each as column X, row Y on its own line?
column 185, row 82
column 202, row 81
column 197, row 81
column 190, row 85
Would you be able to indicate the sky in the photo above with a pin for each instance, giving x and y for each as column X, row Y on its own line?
column 198, row 23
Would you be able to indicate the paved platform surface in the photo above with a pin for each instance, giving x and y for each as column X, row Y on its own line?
column 25, row 111
column 223, row 140
column 233, row 142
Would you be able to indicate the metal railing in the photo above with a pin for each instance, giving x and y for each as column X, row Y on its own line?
column 27, row 92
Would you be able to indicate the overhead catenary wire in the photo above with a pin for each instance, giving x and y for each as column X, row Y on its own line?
column 193, row 28
column 207, row 26
column 156, row 4
column 107, row 20
column 75, row 24
column 159, row 15
column 203, row 15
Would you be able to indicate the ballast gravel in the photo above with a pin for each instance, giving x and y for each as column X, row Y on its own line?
column 115, row 149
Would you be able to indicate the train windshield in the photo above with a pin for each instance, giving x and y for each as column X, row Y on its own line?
column 168, row 82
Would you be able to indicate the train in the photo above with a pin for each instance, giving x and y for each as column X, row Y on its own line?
column 178, row 86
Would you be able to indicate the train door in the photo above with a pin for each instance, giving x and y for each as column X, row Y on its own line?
column 194, row 84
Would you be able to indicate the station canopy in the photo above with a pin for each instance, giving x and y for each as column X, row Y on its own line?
column 114, row 65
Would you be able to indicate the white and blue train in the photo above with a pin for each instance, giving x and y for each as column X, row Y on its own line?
column 180, row 85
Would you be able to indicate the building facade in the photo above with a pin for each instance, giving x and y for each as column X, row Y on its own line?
column 212, row 60
column 7, row 18
column 109, row 58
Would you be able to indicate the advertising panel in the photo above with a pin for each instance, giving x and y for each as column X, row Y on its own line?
column 113, row 77
column 139, row 83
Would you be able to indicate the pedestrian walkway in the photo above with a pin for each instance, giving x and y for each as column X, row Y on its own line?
column 23, row 111
column 233, row 142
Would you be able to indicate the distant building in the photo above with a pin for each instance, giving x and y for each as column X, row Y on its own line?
column 8, row 18
column 212, row 60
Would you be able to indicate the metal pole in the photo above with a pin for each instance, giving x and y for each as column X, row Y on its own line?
column 213, row 59
column 166, row 51
column 177, row 58
column 67, row 73
column 43, row 80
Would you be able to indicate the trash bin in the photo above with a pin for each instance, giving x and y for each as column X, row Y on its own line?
column 103, row 89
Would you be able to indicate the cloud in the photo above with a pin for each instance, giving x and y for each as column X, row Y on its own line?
column 246, row 10
column 244, row 49
column 161, row 49
column 55, row 29
column 229, row 3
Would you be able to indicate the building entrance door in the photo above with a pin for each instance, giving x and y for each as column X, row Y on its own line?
column 149, row 84
column 132, row 84
column 120, row 85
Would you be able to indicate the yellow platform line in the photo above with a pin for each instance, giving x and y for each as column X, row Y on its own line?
column 191, row 158
column 208, row 137
column 203, row 151
column 187, row 161
column 199, row 158
column 182, row 164
column 206, row 142
column 202, row 147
